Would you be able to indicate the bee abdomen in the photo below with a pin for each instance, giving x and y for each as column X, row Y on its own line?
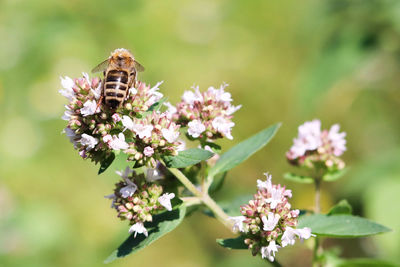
column 117, row 76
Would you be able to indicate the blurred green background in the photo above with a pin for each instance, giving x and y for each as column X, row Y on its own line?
column 288, row 61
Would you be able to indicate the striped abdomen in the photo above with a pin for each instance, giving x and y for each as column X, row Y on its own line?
column 116, row 87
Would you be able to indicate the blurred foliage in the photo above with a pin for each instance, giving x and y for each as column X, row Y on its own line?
column 287, row 61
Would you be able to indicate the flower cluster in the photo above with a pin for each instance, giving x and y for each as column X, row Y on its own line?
column 267, row 221
column 314, row 147
column 208, row 115
column 97, row 131
column 137, row 199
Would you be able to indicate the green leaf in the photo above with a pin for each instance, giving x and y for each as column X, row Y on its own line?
column 106, row 163
column 214, row 147
column 187, row 158
column 233, row 243
column 341, row 225
column 243, row 150
column 158, row 105
column 162, row 224
column 365, row 263
column 343, row 207
column 335, row 175
column 217, row 183
column 298, row 178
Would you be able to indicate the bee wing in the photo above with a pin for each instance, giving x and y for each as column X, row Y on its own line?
column 101, row 67
column 138, row 67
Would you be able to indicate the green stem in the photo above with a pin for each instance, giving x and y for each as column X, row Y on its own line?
column 204, row 198
column 317, row 209
column 186, row 182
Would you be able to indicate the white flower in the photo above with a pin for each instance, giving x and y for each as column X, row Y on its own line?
column 295, row 213
column 181, row 146
column 309, row 138
column 89, row 108
column 155, row 95
column 148, row 151
column 138, row 228
column 142, row 130
column 97, row 92
column 196, row 128
column 304, row 233
column 276, row 197
column 170, row 134
column 310, row 134
column 67, row 114
column 72, row 136
column 232, row 109
column 129, row 189
column 127, row 122
column 153, row 175
column 337, row 140
column 171, row 109
column 132, row 91
column 89, row 141
column 126, row 173
column 223, row 126
column 116, row 142
column 269, row 252
column 289, row 236
column 220, row 94
column 271, row 221
column 67, row 83
column 165, row 200
column 238, row 224
column 267, row 184
column 86, row 76
column 190, row 97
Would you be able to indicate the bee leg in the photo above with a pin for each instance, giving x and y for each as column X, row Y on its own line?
column 99, row 101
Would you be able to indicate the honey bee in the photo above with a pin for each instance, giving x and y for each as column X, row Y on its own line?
column 120, row 71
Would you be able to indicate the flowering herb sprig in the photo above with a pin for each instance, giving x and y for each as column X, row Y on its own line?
column 97, row 131
column 137, row 198
column 168, row 180
column 315, row 148
column 206, row 114
column 267, row 222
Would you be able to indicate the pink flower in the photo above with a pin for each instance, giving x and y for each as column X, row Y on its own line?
column 148, row 151
column 337, row 140
column 116, row 142
column 116, row 117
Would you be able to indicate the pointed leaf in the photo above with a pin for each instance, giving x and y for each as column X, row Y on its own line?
column 343, row 207
column 162, row 224
column 243, row 150
column 341, row 225
column 106, row 163
column 298, row 178
column 233, row 243
column 187, row 158
column 335, row 175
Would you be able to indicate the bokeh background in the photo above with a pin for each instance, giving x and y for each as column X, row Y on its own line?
column 288, row 61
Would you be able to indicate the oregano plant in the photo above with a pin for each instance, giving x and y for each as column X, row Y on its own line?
column 169, row 161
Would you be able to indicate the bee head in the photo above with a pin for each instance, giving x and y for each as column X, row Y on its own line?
column 122, row 58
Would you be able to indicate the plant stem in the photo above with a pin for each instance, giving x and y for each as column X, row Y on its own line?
column 186, row 182
column 204, row 198
column 317, row 207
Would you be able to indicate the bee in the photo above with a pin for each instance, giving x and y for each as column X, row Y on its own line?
column 120, row 71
